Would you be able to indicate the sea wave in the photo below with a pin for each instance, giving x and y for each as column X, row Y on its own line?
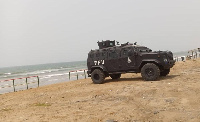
column 48, row 70
column 52, row 75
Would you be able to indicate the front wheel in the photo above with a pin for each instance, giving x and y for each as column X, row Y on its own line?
column 150, row 72
column 98, row 76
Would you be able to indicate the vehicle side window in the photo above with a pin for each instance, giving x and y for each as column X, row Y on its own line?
column 124, row 52
column 98, row 54
column 103, row 54
column 113, row 54
column 91, row 55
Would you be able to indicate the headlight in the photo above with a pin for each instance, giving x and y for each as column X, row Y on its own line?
column 165, row 60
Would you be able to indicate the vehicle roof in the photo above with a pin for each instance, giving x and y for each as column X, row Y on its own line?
column 135, row 46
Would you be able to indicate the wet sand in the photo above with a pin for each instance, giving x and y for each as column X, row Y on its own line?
column 129, row 99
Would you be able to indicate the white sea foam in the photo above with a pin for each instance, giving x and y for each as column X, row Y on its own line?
column 52, row 75
column 8, row 73
column 57, row 75
column 47, row 76
column 38, row 72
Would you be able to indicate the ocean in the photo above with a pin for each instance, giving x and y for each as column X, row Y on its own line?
column 182, row 53
column 47, row 73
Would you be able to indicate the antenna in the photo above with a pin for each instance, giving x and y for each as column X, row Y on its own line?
column 117, row 43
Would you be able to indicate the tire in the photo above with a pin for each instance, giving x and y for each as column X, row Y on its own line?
column 98, row 76
column 150, row 72
column 165, row 72
column 115, row 76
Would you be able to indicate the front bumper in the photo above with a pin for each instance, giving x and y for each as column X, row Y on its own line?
column 169, row 64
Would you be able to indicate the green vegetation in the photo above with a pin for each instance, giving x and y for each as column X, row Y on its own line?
column 6, row 109
column 42, row 104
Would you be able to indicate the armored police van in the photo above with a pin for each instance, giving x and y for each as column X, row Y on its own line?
column 112, row 60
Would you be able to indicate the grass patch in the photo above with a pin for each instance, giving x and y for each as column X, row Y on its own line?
column 42, row 104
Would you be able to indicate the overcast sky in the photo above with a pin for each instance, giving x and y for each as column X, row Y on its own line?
column 49, row 31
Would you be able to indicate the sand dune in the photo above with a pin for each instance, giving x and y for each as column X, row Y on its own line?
column 129, row 99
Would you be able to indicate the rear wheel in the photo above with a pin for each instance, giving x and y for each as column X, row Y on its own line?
column 115, row 76
column 150, row 72
column 98, row 76
column 165, row 72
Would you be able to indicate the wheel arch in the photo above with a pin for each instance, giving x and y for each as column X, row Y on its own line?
column 156, row 62
column 101, row 67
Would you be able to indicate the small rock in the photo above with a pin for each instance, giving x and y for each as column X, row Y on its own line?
column 111, row 120
column 155, row 112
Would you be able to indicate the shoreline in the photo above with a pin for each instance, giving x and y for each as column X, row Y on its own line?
column 17, row 84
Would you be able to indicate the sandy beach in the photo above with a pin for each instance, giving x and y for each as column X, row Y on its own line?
column 129, row 99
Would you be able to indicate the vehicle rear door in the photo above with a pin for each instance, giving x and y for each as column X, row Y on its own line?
column 128, row 58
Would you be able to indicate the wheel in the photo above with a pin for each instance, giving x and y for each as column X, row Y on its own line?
column 115, row 76
column 150, row 72
column 98, row 76
column 165, row 72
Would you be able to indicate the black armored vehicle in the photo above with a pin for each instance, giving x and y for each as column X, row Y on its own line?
column 112, row 60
